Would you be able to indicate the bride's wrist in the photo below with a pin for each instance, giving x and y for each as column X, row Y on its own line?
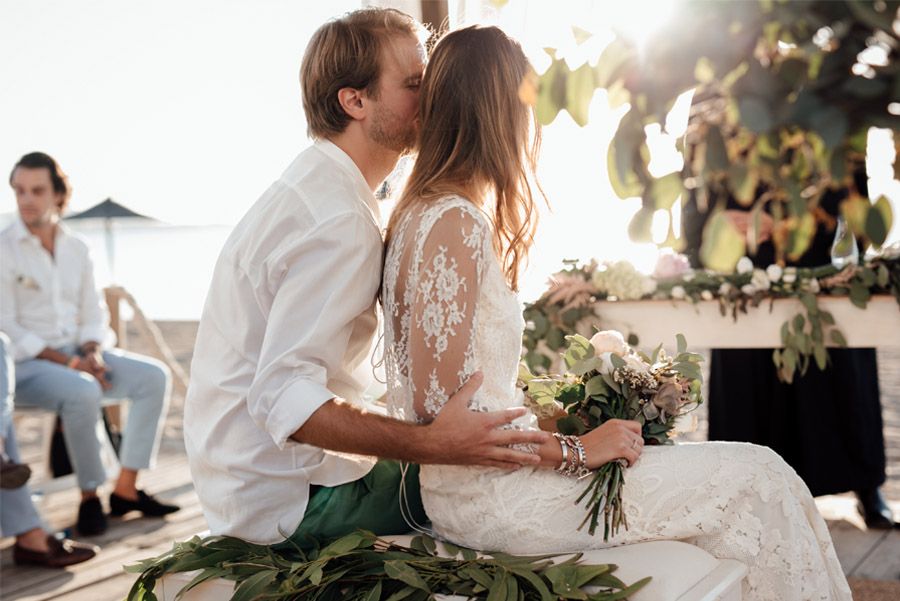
column 574, row 456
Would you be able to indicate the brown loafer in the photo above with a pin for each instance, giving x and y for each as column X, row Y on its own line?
column 62, row 553
column 13, row 475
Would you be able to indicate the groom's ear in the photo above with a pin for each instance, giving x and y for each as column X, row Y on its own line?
column 353, row 102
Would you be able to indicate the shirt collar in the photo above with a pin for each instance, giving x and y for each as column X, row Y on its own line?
column 23, row 233
column 332, row 151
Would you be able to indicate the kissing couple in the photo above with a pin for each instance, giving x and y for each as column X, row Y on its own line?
column 281, row 448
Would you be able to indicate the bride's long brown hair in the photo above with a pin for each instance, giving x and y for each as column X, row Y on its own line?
column 477, row 137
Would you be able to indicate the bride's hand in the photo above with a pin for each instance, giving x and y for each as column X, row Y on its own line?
column 460, row 436
column 615, row 439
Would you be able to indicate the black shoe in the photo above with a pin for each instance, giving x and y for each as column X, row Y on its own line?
column 145, row 503
column 875, row 511
column 91, row 519
column 13, row 475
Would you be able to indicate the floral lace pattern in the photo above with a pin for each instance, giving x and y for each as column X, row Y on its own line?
column 448, row 312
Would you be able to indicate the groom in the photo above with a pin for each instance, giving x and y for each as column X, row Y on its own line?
column 278, row 442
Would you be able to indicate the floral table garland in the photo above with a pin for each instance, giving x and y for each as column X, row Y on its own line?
column 576, row 294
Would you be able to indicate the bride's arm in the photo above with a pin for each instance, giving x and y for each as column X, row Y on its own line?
column 443, row 314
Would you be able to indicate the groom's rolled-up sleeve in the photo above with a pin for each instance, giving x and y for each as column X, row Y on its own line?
column 323, row 284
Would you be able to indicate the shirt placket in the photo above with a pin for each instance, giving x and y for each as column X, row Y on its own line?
column 51, row 270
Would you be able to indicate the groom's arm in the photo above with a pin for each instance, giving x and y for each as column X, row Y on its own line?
column 458, row 436
column 325, row 283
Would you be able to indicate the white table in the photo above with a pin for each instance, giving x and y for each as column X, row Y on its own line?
column 658, row 321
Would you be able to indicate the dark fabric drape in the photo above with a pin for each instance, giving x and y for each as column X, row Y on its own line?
column 827, row 424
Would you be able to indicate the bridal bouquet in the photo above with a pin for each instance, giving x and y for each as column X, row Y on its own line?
column 607, row 379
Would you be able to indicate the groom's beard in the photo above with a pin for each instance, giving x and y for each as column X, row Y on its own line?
column 390, row 131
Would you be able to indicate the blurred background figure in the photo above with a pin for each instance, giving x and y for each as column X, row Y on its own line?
column 53, row 314
column 18, row 516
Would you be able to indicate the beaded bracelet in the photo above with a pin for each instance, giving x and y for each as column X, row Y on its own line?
column 582, row 469
column 573, row 464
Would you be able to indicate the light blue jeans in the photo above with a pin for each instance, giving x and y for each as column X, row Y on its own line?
column 17, row 513
column 77, row 398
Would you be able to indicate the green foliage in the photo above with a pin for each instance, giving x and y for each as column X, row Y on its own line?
column 781, row 110
column 655, row 394
column 804, row 337
column 362, row 567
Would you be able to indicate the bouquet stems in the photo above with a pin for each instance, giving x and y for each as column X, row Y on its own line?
column 604, row 496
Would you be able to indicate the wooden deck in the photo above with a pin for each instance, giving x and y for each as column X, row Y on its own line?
column 868, row 555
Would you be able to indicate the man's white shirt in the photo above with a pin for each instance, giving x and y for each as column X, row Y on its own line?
column 288, row 325
column 48, row 301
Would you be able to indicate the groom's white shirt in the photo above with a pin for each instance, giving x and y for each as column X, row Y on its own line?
column 288, row 324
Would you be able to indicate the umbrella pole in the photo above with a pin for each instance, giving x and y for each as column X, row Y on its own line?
column 110, row 249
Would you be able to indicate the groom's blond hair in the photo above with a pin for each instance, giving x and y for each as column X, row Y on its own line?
column 347, row 53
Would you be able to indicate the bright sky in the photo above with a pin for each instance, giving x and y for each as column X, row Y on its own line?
column 187, row 110
column 183, row 110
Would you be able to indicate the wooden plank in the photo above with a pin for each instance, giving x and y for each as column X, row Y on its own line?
column 49, row 584
column 112, row 589
column 883, row 561
column 852, row 545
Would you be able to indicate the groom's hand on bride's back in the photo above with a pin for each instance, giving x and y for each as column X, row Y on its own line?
column 460, row 436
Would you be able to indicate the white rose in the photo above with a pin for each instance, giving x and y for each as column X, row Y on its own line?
column 813, row 286
column 748, row 289
column 725, row 288
column 607, row 366
column 670, row 265
column 609, row 341
column 760, row 280
column 634, row 363
column 678, row 292
column 706, row 295
column 744, row 265
column 774, row 272
column 648, row 286
column 790, row 275
column 688, row 276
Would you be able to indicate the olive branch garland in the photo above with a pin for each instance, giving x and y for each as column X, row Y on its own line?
column 554, row 316
column 363, row 567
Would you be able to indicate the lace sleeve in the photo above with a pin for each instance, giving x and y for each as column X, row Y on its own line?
column 443, row 310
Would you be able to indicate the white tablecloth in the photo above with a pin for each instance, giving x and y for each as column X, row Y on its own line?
column 656, row 321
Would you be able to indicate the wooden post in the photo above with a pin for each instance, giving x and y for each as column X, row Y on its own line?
column 434, row 13
column 113, row 296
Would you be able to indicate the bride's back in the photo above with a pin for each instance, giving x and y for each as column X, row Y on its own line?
column 450, row 267
column 448, row 311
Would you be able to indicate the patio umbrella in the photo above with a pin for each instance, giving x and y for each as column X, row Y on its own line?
column 108, row 210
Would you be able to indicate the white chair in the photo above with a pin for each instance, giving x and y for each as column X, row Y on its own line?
column 681, row 572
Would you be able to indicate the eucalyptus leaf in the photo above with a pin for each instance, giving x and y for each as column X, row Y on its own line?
column 876, row 228
column 755, row 114
column 640, row 226
column 838, row 338
column 666, row 190
column 723, row 245
column 400, row 570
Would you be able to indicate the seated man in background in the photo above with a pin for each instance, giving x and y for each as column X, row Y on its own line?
column 53, row 314
column 18, row 516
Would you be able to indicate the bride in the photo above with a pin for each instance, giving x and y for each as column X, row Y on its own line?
column 456, row 240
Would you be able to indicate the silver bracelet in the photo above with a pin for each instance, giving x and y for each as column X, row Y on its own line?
column 565, row 452
column 575, row 462
column 582, row 469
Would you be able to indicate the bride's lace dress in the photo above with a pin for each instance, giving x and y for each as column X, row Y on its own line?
column 449, row 312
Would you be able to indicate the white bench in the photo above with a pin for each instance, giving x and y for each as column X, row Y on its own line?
column 681, row 572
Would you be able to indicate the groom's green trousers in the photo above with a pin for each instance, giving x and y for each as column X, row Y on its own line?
column 370, row 503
